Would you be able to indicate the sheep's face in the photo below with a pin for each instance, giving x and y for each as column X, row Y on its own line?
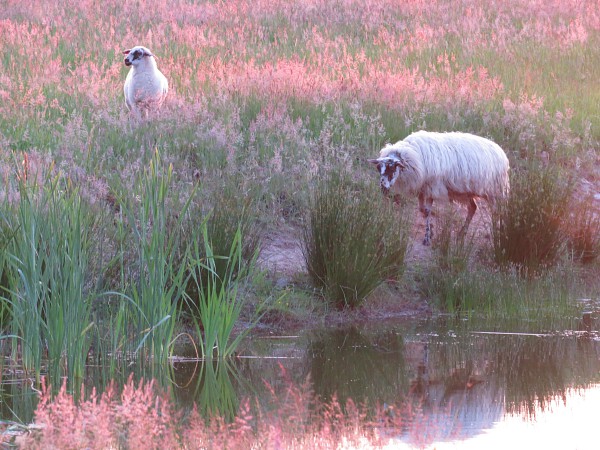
column 135, row 55
column 389, row 170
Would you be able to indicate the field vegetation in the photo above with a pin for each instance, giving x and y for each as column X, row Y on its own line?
column 119, row 237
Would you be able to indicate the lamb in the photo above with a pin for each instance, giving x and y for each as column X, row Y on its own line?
column 452, row 166
column 145, row 86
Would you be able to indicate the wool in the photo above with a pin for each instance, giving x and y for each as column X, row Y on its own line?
column 453, row 166
column 145, row 87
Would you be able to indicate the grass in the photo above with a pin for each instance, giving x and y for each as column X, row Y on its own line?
column 528, row 226
column 506, row 295
column 46, row 266
column 157, row 279
column 267, row 102
column 220, row 302
column 352, row 243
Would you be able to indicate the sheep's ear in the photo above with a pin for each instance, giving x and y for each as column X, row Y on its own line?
column 126, row 52
column 375, row 162
column 148, row 53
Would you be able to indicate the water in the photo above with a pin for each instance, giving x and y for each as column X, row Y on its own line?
column 467, row 386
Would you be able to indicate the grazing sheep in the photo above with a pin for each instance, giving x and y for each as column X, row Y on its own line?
column 145, row 86
column 454, row 166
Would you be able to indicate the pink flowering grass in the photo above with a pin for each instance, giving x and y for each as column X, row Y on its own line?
column 142, row 416
column 266, row 93
column 436, row 64
column 290, row 416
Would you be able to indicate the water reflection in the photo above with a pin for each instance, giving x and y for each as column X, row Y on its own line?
column 212, row 385
column 445, row 381
column 366, row 367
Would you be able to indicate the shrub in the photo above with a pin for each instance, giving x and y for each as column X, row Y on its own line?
column 527, row 227
column 583, row 231
column 352, row 239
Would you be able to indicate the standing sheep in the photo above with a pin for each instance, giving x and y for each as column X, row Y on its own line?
column 453, row 166
column 145, row 86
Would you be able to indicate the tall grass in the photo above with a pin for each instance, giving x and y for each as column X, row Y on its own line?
column 353, row 240
column 50, row 302
column 583, row 230
column 231, row 210
column 497, row 295
column 156, row 282
column 528, row 226
column 218, row 280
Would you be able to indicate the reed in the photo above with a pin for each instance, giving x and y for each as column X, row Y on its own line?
column 157, row 282
column 50, row 302
column 496, row 295
column 528, row 226
column 220, row 301
column 583, row 230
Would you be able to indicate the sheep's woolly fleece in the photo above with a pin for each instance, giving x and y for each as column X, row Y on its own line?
column 145, row 87
column 444, row 166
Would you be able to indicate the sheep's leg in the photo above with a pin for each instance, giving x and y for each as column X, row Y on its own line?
column 471, row 209
column 425, row 208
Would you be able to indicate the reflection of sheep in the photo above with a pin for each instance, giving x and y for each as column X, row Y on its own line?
column 145, row 86
column 453, row 166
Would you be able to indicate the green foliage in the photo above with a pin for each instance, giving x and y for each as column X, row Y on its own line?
column 528, row 226
column 47, row 262
column 452, row 249
column 231, row 210
column 157, row 280
column 506, row 295
column 220, row 302
column 353, row 239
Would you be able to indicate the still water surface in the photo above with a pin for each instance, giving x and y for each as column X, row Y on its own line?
column 468, row 386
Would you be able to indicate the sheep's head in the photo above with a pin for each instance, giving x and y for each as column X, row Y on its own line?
column 136, row 54
column 389, row 169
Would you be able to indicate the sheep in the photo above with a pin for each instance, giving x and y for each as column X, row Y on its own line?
column 452, row 166
column 145, row 86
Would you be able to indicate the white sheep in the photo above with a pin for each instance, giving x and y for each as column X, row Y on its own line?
column 451, row 166
column 145, row 86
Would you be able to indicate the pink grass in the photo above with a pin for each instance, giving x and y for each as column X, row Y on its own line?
column 356, row 49
column 143, row 417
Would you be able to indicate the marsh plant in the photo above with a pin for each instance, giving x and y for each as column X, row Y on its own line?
column 353, row 240
column 219, row 282
column 230, row 209
column 47, row 267
column 156, row 281
column 504, row 294
column 453, row 249
column 528, row 226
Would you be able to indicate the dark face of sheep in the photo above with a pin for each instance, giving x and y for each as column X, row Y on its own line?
column 389, row 170
column 135, row 55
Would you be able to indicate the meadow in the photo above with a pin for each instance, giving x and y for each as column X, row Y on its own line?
column 122, row 238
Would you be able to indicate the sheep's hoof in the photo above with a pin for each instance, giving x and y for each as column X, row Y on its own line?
column 427, row 241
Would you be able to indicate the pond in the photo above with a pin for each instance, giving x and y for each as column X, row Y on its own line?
column 466, row 386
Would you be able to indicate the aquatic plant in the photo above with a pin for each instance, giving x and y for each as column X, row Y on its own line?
column 46, row 267
column 157, row 279
column 583, row 230
column 220, row 294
